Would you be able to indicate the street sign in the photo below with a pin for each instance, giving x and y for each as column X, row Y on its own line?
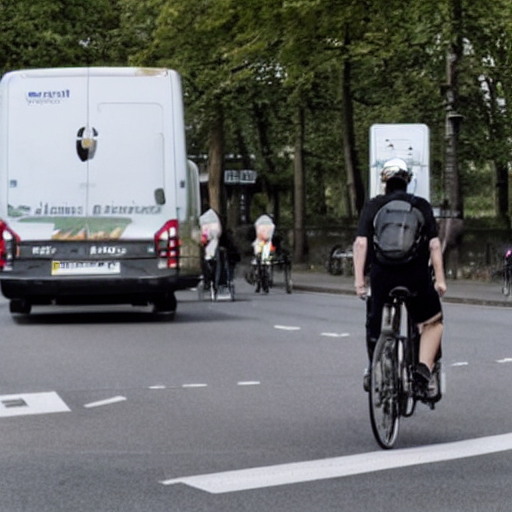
column 240, row 177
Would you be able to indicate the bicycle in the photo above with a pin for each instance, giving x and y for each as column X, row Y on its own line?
column 218, row 279
column 392, row 392
column 263, row 269
column 339, row 260
column 282, row 262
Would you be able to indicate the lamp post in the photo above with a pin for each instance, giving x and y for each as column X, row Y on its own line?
column 452, row 221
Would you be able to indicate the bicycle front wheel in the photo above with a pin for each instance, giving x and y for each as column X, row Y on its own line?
column 383, row 395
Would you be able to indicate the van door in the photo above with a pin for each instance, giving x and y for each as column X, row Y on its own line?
column 126, row 179
column 47, row 182
column 90, row 154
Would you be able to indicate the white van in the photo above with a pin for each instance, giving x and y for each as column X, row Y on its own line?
column 98, row 203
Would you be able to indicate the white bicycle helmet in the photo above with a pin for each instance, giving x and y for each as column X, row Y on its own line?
column 395, row 168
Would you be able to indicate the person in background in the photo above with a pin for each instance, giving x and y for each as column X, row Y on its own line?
column 213, row 239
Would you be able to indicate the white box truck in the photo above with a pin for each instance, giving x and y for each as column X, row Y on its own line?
column 98, row 202
column 410, row 142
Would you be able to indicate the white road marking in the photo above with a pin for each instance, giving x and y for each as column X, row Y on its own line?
column 270, row 476
column 461, row 363
column 108, row 401
column 506, row 360
column 198, row 385
column 335, row 334
column 249, row 383
column 31, row 403
column 158, row 386
column 287, row 327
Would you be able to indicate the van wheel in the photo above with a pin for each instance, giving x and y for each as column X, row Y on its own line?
column 20, row 306
column 165, row 305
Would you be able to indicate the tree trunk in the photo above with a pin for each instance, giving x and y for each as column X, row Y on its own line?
column 354, row 180
column 262, row 126
column 502, row 195
column 500, row 163
column 300, row 193
column 216, row 164
column 452, row 225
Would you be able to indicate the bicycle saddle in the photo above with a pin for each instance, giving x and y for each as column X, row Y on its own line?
column 400, row 292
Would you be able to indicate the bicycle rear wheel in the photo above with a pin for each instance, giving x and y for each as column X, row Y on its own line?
column 383, row 396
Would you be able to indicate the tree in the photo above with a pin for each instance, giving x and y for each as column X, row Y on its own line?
column 47, row 33
column 487, row 93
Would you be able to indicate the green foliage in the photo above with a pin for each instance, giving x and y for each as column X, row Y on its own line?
column 257, row 61
column 47, row 33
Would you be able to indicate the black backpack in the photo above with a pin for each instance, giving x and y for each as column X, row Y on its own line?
column 397, row 232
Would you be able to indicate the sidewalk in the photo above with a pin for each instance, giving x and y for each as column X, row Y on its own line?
column 459, row 290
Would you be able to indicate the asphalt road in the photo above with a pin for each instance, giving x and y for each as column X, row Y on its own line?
column 252, row 405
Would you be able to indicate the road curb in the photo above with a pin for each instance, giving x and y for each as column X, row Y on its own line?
column 472, row 301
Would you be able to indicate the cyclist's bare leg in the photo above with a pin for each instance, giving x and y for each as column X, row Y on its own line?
column 430, row 340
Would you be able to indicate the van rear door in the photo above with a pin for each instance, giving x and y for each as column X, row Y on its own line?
column 47, row 183
column 91, row 159
column 128, row 197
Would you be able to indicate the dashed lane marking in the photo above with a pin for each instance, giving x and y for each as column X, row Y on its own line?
column 107, row 401
column 31, row 403
column 287, row 327
column 335, row 334
column 271, row 476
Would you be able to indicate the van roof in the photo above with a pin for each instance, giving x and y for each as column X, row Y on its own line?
column 93, row 71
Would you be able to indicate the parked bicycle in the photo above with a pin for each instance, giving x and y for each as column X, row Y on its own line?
column 392, row 392
column 339, row 260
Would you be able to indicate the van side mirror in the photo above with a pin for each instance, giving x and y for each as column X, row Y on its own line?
column 159, row 196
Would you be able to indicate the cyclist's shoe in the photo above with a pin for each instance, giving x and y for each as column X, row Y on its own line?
column 434, row 393
column 421, row 379
column 367, row 379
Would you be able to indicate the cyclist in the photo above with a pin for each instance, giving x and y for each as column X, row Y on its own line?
column 263, row 245
column 415, row 274
column 213, row 238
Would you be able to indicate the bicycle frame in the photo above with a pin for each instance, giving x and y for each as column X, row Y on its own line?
column 219, row 276
column 263, row 272
column 407, row 336
column 391, row 393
